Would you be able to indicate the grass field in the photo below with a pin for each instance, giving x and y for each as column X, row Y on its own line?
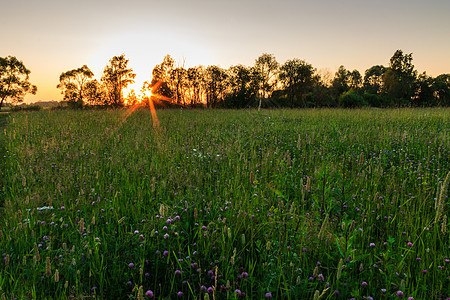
column 282, row 204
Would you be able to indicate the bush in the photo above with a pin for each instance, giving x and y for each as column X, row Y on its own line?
column 25, row 107
column 378, row 100
column 351, row 99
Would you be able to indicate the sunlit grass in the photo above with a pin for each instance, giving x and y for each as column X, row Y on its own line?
column 229, row 204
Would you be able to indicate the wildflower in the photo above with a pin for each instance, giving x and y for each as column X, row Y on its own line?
column 424, row 271
column 336, row 292
column 210, row 290
column 244, row 275
column 400, row 294
column 177, row 272
column 372, row 244
column 364, row 283
column 410, row 244
column 180, row 293
column 203, row 288
column 149, row 294
column 320, row 277
column 268, row 295
column 410, row 298
column 130, row 265
column 166, row 236
column 238, row 292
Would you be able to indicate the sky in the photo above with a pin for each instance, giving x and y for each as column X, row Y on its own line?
column 52, row 37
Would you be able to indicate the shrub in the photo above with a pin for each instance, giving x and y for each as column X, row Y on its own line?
column 25, row 107
column 351, row 99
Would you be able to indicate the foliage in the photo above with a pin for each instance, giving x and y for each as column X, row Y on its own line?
column 400, row 78
column 351, row 99
column 14, row 82
column 76, row 85
column 297, row 77
column 117, row 76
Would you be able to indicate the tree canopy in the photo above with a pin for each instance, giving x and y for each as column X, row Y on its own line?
column 75, row 85
column 14, row 80
column 116, row 77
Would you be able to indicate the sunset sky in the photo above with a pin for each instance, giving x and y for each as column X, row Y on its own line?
column 52, row 37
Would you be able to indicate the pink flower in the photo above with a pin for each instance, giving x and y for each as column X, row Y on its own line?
column 149, row 294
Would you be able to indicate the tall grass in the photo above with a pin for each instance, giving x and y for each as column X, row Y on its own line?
column 295, row 204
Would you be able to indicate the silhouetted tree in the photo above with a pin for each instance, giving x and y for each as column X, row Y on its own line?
column 241, row 92
column 425, row 94
column 14, row 84
column 215, row 85
column 297, row 78
column 399, row 80
column 94, row 93
column 373, row 79
column 340, row 83
column 117, row 76
column 178, row 78
column 264, row 75
column 195, row 85
column 441, row 88
column 74, row 85
column 161, row 78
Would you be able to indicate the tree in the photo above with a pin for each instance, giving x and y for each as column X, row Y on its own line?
column 195, row 85
column 215, row 85
column 161, row 78
column 297, row 77
column 373, row 79
column 340, row 83
column 425, row 93
column 399, row 80
column 14, row 84
column 94, row 93
column 240, row 88
column 117, row 76
column 441, row 88
column 74, row 85
column 265, row 71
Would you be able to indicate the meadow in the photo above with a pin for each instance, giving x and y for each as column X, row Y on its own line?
column 218, row 204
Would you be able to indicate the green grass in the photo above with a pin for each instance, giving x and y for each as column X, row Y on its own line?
column 343, row 203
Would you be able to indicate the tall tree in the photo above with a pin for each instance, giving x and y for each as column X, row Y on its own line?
column 441, row 87
column 195, row 84
column 265, row 71
column 425, row 94
column 373, row 79
column 340, row 83
column 14, row 84
column 297, row 77
column 399, row 80
column 117, row 76
column 215, row 85
column 241, row 92
column 161, row 83
column 74, row 85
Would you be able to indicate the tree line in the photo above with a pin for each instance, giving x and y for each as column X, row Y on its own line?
column 267, row 83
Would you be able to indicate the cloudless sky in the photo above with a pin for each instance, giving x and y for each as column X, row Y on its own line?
column 52, row 37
